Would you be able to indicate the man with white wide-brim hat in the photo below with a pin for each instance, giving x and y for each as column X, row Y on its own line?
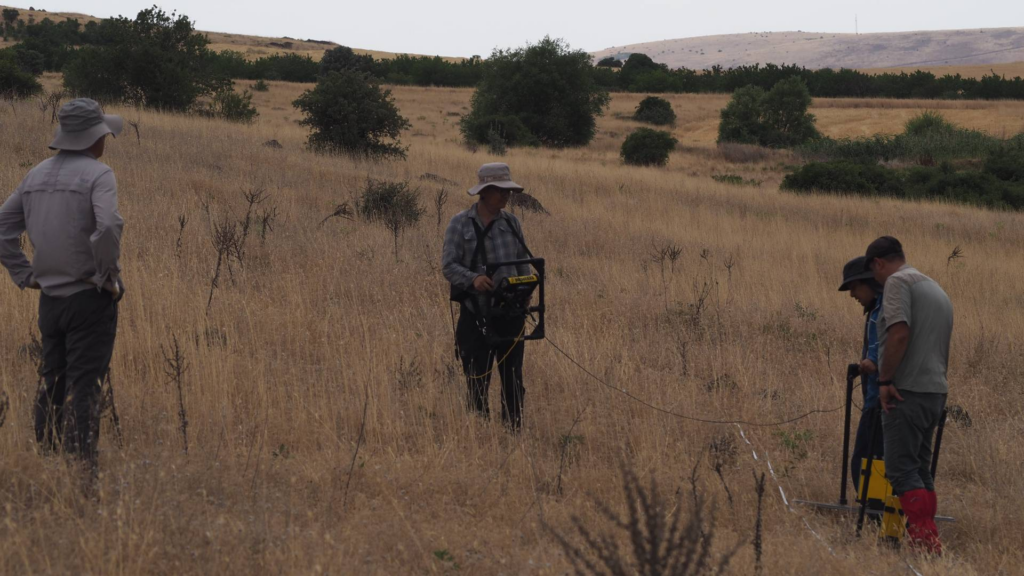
column 487, row 233
column 68, row 206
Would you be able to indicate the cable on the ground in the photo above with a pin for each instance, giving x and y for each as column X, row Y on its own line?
column 684, row 416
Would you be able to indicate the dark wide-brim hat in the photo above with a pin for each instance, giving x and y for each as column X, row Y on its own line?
column 854, row 271
column 494, row 174
column 82, row 123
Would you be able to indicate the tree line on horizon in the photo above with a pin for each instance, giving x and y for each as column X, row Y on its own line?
column 48, row 46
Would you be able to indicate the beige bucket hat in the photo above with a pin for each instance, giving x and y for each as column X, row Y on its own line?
column 494, row 174
column 82, row 123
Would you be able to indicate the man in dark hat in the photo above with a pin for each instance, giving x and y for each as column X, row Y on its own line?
column 487, row 233
column 863, row 288
column 68, row 206
column 914, row 328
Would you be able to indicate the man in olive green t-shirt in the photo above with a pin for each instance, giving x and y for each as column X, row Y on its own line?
column 914, row 327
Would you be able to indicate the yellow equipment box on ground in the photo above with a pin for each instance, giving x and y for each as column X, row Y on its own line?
column 880, row 497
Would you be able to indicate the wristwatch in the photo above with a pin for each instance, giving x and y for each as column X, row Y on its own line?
column 885, row 383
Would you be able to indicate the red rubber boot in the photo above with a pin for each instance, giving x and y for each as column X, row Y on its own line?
column 934, row 544
column 915, row 504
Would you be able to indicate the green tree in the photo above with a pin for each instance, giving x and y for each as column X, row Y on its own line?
column 647, row 147
column 10, row 16
column 741, row 117
column 784, row 112
column 157, row 60
column 348, row 112
column 610, row 62
column 638, row 65
column 548, row 86
column 344, row 58
column 777, row 118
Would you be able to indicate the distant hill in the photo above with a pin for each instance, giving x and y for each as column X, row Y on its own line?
column 252, row 46
column 822, row 50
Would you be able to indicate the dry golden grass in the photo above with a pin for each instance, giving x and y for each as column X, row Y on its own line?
column 1009, row 69
column 320, row 317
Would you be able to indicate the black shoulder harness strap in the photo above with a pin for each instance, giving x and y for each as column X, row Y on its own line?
column 518, row 236
column 480, row 254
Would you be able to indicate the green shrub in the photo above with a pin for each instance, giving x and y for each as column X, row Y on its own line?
column 735, row 180
column 928, row 122
column 549, row 87
column 654, row 110
column 943, row 183
column 1006, row 163
column 496, row 145
column 927, row 138
column 383, row 199
column 14, row 81
column 232, row 106
column 391, row 204
column 777, row 118
column 348, row 112
column 610, row 62
column 842, row 177
column 261, row 86
column 647, row 147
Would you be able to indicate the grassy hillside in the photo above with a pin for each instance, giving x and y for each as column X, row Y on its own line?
column 284, row 474
column 822, row 50
column 252, row 46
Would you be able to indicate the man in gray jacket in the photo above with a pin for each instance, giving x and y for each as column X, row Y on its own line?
column 68, row 206
column 914, row 330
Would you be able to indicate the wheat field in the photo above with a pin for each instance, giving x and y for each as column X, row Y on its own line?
column 325, row 421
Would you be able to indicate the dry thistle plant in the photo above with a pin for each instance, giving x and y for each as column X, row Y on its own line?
column 253, row 198
column 107, row 406
column 526, row 203
column 440, row 200
column 135, row 126
column 759, row 524
column 342, row 210
column 266, row 218
column 52, row 103
column 175, row 367
column 182, row 222
column 567, row 443
column 956, row 254
column 408, row 376
column 5, row 405
column 225, row 241
column 660, row 544
column 722, row 451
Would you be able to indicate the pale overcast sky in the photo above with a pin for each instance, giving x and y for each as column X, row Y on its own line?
column 467, row 27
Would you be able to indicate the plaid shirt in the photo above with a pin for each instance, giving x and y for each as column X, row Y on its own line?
column 500, row 245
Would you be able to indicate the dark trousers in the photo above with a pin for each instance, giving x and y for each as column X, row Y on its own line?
column 863, row 445
column 908, row 432
column 478, row 356
column 78, row 341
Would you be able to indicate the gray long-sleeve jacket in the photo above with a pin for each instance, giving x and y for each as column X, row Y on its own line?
column 68, row 205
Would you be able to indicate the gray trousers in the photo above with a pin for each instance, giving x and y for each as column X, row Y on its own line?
column 908, row 429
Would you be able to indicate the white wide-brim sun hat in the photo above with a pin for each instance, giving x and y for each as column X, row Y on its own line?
column 494, row 174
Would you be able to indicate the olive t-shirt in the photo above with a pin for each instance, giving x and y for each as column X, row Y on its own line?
column 916, row 299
